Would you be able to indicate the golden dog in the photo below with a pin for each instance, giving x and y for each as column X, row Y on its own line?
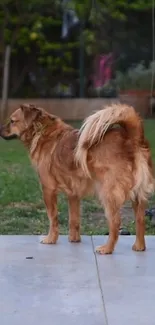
column 108, row 156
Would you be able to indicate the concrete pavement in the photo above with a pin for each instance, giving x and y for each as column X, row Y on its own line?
column 69, row 284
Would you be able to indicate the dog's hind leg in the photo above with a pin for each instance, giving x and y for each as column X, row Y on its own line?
column 139, row 209
column 50, row 199
column 74, row 219
column 112, row 199
column 113, row 217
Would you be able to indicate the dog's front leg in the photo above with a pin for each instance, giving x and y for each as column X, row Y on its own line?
column 50, row 199
column 74, row 219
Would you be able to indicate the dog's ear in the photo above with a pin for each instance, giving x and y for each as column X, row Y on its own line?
column 31, row 112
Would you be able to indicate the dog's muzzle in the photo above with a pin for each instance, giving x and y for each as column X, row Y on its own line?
column 6, row 137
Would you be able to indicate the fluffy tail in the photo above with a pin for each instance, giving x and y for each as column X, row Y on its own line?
column 96, row 125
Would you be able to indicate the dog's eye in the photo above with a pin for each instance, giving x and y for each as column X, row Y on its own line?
column 12, row 121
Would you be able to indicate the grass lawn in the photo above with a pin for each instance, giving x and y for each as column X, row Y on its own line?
column 22, row 209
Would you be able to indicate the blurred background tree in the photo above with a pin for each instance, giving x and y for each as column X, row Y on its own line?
column 41, row 58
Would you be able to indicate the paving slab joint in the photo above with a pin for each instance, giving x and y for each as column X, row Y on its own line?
column 99, row 282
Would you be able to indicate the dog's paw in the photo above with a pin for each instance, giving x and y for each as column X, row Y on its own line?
column 74, row 236
column 139, row 247
column 103, row 250
column 48, row 240
column 74, row 239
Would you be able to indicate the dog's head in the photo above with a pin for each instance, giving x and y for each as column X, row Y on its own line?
column 22, row 120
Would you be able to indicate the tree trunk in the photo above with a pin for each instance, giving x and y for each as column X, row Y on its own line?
column 3, row 111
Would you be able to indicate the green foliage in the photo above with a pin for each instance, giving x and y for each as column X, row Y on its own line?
column 101, row 8
column 34, row 26
column 33, row 29
column 137, row 78
column 24, row 22
column 101, row 13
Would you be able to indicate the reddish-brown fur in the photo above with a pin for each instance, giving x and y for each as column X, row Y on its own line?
column 110, row 162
